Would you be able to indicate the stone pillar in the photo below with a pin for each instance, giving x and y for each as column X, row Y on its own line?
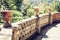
column 15, row 33
column 36, row 14
column 7, row 17
column 50, row 16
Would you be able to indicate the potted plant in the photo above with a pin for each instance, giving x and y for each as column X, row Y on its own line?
column 7, row 17
column 36, row 11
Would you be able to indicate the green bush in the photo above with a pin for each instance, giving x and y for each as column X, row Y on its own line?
column 30, row 12
column 43, row 7
column 58, row 6
column 16, row 16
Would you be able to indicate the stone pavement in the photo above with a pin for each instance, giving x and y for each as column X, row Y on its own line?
column 5, row 34
column 51, row 32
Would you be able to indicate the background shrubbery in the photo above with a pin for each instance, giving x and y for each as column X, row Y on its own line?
column 28, row 11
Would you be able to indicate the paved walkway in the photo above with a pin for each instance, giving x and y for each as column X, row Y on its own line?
column 5, row 34
column 51, row 32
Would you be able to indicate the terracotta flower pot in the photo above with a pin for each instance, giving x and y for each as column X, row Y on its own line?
column 49, row 10
column 7, row 17
column 36, row 11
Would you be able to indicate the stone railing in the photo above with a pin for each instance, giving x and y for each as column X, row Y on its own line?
column 25, row 28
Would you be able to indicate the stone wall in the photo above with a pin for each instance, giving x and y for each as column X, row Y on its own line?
column 34, row 24
column 25, row 28
column 56, row 16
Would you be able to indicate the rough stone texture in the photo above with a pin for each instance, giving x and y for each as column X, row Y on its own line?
column 24, row 29
column 41, row 21
column 44, row 20
column 56, row 16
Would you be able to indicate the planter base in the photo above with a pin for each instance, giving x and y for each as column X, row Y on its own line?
column 7, row 25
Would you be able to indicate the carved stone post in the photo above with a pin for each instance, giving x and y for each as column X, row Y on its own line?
column 50, row 16
column 36, row 14
column 7, row 17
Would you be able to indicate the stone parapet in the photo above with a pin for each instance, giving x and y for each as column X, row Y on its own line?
column 26, row 28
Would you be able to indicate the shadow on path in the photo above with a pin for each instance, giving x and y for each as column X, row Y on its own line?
column 44, row 31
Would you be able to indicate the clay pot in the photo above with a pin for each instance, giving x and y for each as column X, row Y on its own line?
column 36, row 11
column 7, row 17
column 49, row 10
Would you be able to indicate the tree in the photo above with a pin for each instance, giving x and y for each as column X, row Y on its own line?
column 12, row 4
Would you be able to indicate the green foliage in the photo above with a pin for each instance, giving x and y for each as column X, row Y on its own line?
column 12, row 4
column 58, row 6
column 55, row 6
column 43, row 7
column 16, row 16
column 28, row 11
column 18, row 4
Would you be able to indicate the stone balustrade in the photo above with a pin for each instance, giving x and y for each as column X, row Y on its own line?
column 26, row 28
